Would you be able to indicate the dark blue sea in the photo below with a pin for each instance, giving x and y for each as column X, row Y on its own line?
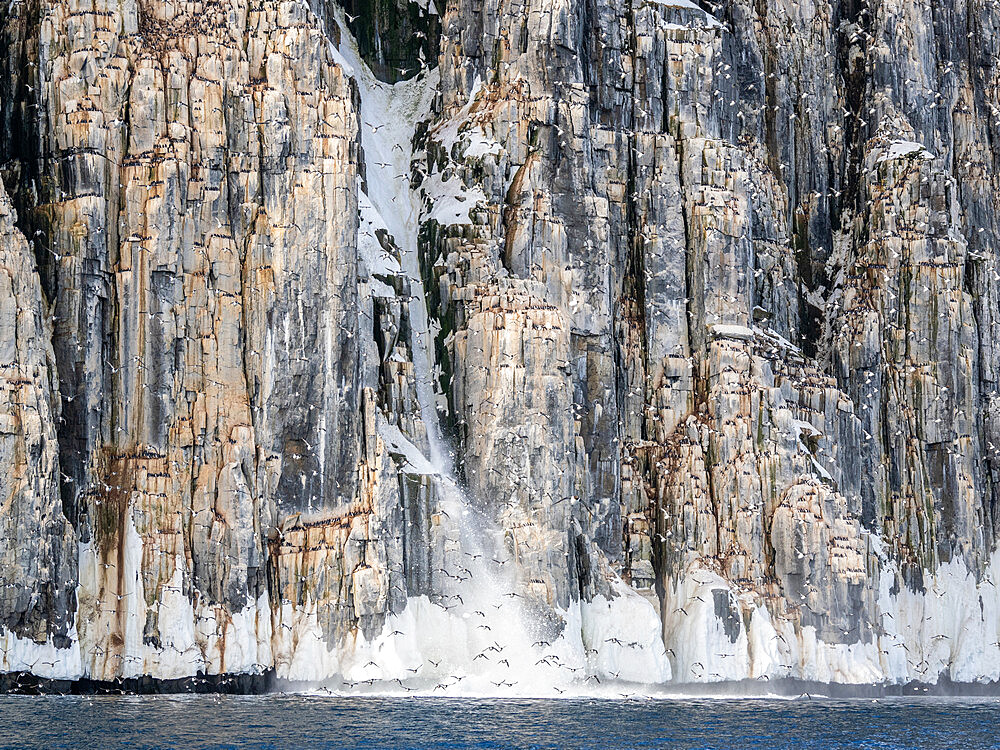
column 288, row 721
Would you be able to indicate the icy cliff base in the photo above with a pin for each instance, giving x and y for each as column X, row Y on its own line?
column 950, row 629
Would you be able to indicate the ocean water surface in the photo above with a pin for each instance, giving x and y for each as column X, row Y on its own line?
column 297, row 721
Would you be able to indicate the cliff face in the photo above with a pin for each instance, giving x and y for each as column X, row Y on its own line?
column 660, row 336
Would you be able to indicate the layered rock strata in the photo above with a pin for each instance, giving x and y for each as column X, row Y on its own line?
column 682, row 314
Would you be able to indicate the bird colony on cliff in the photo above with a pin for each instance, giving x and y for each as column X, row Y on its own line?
column 515, row 347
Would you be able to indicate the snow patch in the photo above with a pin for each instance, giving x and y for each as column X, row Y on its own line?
column 712, row 21
column 399, row 444
column 381, row 289
column 43, row 659
column 900, row 149
column 481, row 146
column 625, row 636
column 447, row 133
column 450, row 200
column 427, row 6
column 376, row 259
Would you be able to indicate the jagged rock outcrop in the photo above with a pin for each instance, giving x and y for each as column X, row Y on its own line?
column 672, row 324
column 37, row 544
column 754, row 283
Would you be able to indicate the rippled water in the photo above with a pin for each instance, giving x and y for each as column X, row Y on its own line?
column 292, row 721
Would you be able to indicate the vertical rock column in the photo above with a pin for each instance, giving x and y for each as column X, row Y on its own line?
column 37, row 544
column 203, row 210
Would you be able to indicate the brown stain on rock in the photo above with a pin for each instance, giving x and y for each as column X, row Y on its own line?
column 112, row 505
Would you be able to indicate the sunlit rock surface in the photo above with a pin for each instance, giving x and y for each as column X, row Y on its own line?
column 500, row 347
